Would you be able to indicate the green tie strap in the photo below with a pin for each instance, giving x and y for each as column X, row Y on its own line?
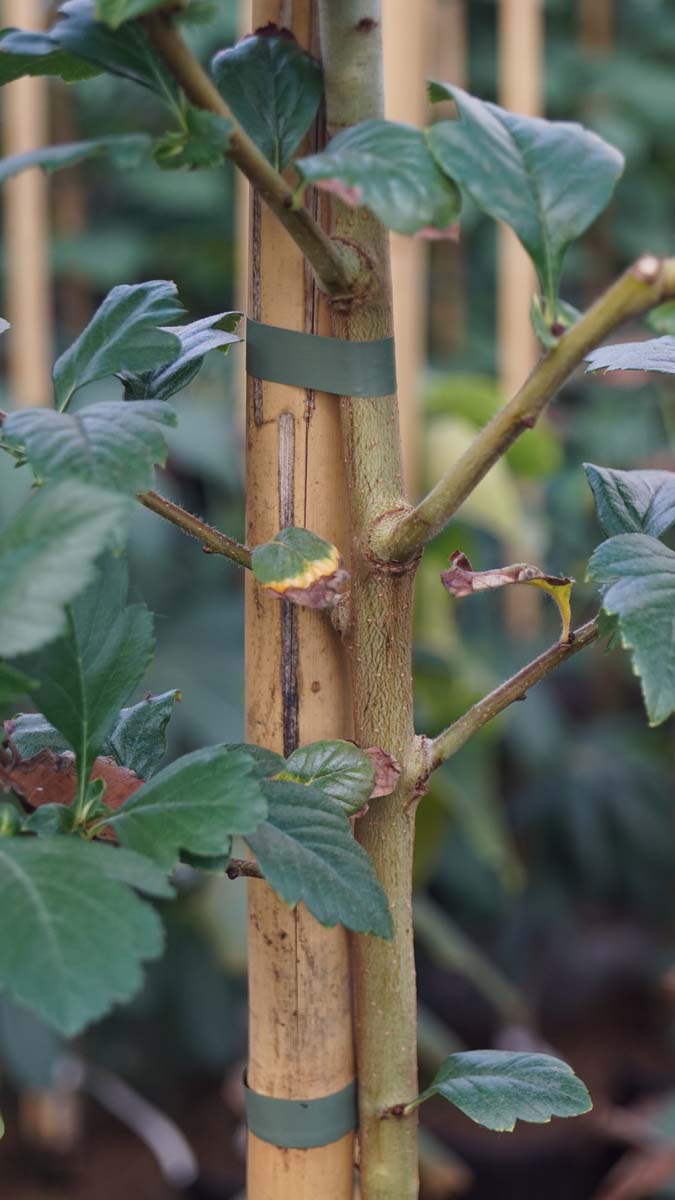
column 301, row 1124
column 325, row 364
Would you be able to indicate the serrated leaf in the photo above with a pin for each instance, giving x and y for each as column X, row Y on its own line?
column 115, row 12
column 202, row 142
column 654, row 354
column 307, row 853
column 633, row 501
column 496, row 1088
column 662, row 318
column 124, row 334
column 23, row 52
column 196, row 340
column 300, row 566
column 274, row 89
column 339, row 769
column 196, row 804
column 72, row 934
column 47, row 556
column 388, row 168
column 126, row 150
column 86, row 676
column 125, row 51
column 113, row 444
column 548, row 180
column 637, row 573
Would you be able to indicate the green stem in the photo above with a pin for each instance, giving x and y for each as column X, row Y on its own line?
column 379, row 642
column 648, row 282
column 516, row 688
column 212, row 540
column 340, row 271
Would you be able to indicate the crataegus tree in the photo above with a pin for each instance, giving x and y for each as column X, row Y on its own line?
column 89, row 821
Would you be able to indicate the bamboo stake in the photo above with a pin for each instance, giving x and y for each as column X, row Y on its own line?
column 300, row 1031
column 27, row 299
column 520, row 90
column 405, row 45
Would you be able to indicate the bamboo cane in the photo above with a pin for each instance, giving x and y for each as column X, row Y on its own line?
column 27, row 299
column 300, row 1031
column 520, row 56
column 406, row 55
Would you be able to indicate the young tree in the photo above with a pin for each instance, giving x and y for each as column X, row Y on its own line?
column 88, row 823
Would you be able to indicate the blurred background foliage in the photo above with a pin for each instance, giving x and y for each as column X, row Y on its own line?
column 546, row 848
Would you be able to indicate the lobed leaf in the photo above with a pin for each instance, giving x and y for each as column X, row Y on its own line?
column 548, row 180
column 124, row 334
column 637, row 573
column 112, row 444
column 496, row 1088
column 196, row 804
column 307, row 853
column 196, row 340
column 655, row 354
column 633, row 501
column 274, row 89
column 338, row 769
column 47, row 556
column 86, row 676
column 388, row 168
column 73, row 935
column 126, row 150
column 23, row 52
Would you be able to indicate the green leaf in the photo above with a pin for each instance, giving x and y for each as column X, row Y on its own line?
column 655, row 354
column 662, row 318
column 126, row 150
column 47, row 556
column 126, row 51
column 300, row 566
column 50, row 820
column 638, row 573
column 72, row 933
column 196, row 804
column 633, row 501
column 388, row 168
column 339, row 769
column 115, row 12
column 202, row 142
column 196, row 339
column 25, row 53
column 124, row 334
column 112, row 444
column 496, row 1088
column 307, row 853
column 138, row 739
column 274, row 89
column 86, row 676
column 266, row 762
column 548, row 180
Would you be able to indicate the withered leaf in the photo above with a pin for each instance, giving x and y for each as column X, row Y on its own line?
column 51, row 778
column 387, row 771
column 461, row 580
column 300, row 566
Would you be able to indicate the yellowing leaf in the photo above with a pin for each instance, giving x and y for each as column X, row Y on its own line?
column 461, row 580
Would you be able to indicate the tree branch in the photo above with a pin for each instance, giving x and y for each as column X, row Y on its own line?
column 648, row 282
column 453, row 738
column 341, row 272
column 212, row 540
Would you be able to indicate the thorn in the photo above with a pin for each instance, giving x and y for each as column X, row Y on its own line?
column 529, row 422
column 522, row 697
column 207, row 550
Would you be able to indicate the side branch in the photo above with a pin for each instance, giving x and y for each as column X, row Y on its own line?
column 648, row 282
column 212, row 540
column 340, row 271
column 453, row 738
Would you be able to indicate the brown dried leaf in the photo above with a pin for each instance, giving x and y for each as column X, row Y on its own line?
column 50, row 778
column 461, row 580
column 387, row 771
